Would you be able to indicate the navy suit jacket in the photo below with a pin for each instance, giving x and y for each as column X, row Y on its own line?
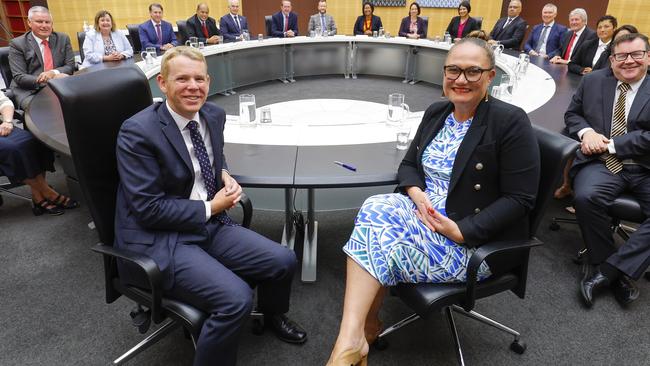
column 229, row 28
column 552, row 42
column 277, row 25
column 502, row 141
column 592, row 106
column 149, row 38
column 586, row 35
column 153, row 209
column 405, row 29
column 194, row 28
column 375, row 24
column 510, row 36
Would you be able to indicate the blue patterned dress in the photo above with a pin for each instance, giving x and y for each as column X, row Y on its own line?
column 393, row 245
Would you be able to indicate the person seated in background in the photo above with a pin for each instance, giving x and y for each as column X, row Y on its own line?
column 591, row 56
column 412, row 26
column 463, row 24
column 481, row 34
column 179, row 190
column 368, row 22
column 510, row 30
column 156, row 32
column 610, row 115
column 23, row 159
column 285, row 22
column 232, row 24
column 470, row 176
column 573, row 39
column 103, row 43
column 620, row 31
column 202, row 26
column 38, row 56
column 544, row 39
column 322, row 20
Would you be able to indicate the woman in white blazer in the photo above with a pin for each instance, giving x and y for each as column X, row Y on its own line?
column 104, row 43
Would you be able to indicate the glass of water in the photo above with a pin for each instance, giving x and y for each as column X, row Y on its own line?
column 403, row 132
column 397, row 109
column 266, row 115
column 247, row 109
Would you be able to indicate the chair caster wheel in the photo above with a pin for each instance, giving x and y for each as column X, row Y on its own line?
column 258, row 327
column 380, row 344
column 554, row 226
column 518, row 346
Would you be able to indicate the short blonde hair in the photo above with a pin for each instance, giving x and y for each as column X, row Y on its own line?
column 189, row 52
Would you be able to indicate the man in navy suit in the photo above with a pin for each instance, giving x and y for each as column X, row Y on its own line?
column 202, row 26
column 610, row 115
column 157, row 32
column 509, row 31
column 573, row 39
column 545, row 38
column 232, row 23
column 285, row 22
column 171, row 205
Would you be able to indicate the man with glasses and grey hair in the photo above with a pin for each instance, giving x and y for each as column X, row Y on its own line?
column 545, row 38
column 610, row 115
column 573, row 39
column 38, row 56
column 322, row 20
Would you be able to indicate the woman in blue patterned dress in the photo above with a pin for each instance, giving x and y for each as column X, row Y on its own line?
column 470, row 176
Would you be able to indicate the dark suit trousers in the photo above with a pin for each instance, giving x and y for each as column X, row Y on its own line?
column 217, row 277
column 595, row 188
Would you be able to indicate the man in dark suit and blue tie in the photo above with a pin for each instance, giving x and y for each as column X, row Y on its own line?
column 544, row 39
column 610, row 115
column 509, row 31
column 157, row 32
column 285, row 22
column 171, row 205
column 232, row 24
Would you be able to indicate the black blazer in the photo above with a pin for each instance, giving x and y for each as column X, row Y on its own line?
column 405, row 27
column 592, row 106
column 375, row 24
column 585, row 56
column 495, row 176
column 194, row 28
column 510, row 36
column 586, row 35
column 471, row 25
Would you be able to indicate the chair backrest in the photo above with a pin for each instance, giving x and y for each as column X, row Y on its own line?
column 425, row 21
column 479, row 21
column 94, row 106
column 268, row 22
column 134, row 33
column 81, row 37
column 183, row 34
column 5, row 70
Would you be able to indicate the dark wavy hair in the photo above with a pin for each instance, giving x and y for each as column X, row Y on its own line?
column 465, row 4
column 416, row 5
column 372, row 7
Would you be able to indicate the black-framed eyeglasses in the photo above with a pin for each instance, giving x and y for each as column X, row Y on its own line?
column 637, row 55
column 472, row 74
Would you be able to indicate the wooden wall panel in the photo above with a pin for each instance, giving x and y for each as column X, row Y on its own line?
column 635, row 12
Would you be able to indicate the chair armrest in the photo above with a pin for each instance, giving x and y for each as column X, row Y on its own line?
column 247, row 207
column 482, row 254
column 148, row 266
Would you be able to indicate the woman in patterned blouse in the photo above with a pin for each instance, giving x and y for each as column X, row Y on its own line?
column 413, row 25
column 104, row 43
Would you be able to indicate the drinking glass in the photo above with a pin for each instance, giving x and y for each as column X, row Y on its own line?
column 374, row 34
column 149, row 55
column 397, row 109
column 247, row 110
column 192, row 42
column 201, row 45
column 402, row 136
column 265, row 115
column 260, row 37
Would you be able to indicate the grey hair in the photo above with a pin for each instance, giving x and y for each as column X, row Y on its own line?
column 580, row 12
column 37, row 9
column 552, row 6
column 479, row 43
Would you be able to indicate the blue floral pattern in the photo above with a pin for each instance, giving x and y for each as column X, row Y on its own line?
column 393, row 245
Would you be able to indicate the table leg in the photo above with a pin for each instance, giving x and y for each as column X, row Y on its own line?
column 289, row 232
column 310, row 243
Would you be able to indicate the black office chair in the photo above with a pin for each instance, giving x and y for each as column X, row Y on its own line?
column 81, row 37
column 7, row 76
column 92, row 145
column 134, row 34
column 508, row 260
column 479, row 21
column 425, row 21
column 183, row 34
column 268, row 23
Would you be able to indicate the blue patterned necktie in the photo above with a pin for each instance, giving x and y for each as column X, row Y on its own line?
column 209, row 179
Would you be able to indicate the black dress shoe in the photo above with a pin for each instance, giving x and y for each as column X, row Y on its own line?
column 285, row 328
column 625, row 291
column 590, row 285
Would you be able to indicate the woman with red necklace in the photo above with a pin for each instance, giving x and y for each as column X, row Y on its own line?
column 367, row 23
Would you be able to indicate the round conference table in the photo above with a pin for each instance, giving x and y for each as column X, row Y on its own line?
column 298, row 160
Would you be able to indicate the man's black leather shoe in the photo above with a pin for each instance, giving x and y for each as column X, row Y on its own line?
column 625, row 291
column 590, row 285
column 285, row 328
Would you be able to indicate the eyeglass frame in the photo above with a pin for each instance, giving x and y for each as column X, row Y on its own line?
column 462, row 72
column 629, row 54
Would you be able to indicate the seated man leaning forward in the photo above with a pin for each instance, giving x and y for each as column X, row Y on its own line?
column 38, row 56
column 469, row 177
column 171, row 205
column 610, row 114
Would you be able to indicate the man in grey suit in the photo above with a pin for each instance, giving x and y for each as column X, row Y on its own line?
column 38, row 56
column 610, row 115
column 322, row 20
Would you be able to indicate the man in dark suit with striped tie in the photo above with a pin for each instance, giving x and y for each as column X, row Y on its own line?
column 610, row 115
column 202, row 26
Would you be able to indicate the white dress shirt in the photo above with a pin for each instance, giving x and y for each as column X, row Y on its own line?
column 199, row 192
column 542, row 50
column 40, row 48
column 599, row 51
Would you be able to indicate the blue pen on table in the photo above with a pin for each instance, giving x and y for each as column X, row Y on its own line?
column 346, row 166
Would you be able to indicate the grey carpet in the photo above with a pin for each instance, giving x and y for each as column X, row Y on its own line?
column 52, row 309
